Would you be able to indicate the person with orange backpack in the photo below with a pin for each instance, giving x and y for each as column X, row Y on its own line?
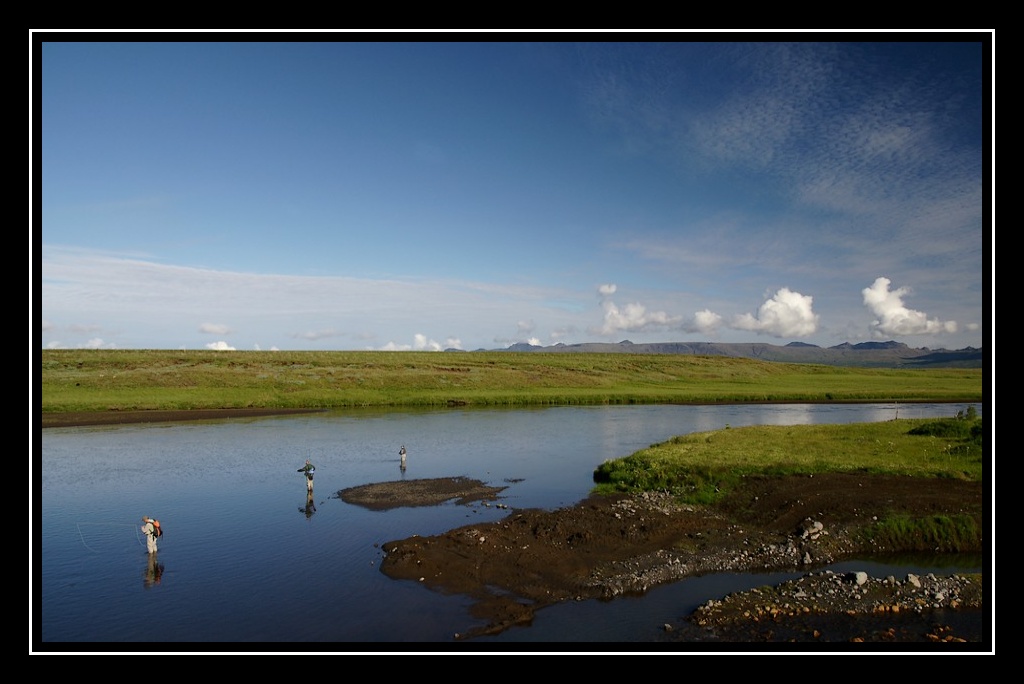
column 151, row 528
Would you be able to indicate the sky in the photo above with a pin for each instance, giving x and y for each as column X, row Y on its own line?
column 353, row 193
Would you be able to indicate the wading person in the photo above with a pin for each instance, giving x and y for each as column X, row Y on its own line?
column 401, row 452
column 308, row 470
column 150, row 531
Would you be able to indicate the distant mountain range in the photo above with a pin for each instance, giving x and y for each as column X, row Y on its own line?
column 866, row 354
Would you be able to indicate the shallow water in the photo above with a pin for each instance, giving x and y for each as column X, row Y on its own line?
column 244, row 560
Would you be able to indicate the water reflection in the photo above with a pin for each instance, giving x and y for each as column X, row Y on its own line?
column 154, row 572
column 309, row 508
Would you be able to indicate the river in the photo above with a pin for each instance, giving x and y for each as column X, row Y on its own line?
column 245, row 560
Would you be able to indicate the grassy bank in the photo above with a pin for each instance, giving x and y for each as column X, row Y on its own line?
column 702, row 467
column 104, row 380
column 705, row 467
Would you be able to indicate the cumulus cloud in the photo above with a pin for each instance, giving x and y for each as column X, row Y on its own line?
column 214, row 329
column 634, row 318
column 787, row 314
column 607, row 290
column 705, row 321
column 893, row 318
column 393, row 346
column 423, row 343
column 220, row 346
column 94, row 343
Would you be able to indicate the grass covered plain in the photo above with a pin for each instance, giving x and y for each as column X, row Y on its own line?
column 74, row 380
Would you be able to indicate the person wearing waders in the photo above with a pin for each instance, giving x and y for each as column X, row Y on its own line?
column 308, row 470
column 150, row 532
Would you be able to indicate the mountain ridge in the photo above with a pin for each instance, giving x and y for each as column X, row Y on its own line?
column 890, row 354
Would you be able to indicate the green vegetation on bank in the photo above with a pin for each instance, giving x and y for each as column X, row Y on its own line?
column 949, row 534
column 702, row 467
column 105, row 380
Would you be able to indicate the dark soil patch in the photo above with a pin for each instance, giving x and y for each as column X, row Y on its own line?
column 608, row 546
column 384, row 495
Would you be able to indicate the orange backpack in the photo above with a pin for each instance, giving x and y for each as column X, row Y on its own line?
column 157, row 532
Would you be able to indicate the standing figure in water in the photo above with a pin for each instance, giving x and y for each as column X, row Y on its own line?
column 149, row 529
column 308, row 470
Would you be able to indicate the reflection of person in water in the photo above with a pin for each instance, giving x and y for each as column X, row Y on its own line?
column 154, row 571
column 310, row 509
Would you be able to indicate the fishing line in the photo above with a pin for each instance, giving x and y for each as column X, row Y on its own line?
column 82, row 537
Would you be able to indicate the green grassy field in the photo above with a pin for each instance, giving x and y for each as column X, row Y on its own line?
column 103, row 380
column 700, row 467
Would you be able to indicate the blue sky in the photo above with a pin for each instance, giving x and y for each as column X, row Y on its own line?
column 432, row 195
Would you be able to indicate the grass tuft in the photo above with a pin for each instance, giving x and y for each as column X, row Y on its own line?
column 944, row 534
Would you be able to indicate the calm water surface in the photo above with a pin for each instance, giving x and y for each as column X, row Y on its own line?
column 245, row 559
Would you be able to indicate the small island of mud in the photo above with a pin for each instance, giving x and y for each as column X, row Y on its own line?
column 382, row 496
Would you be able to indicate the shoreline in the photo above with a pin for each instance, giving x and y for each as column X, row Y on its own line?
column 92, row 418
column 56, row 419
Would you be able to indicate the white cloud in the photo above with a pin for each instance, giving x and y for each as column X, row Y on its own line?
column 634, row 318
column 893, row 318
column 787, row 314
column 220, row 346
column 423, row 343
column 705, row 321
column 391, row 346
column 214, row 328
column 94, row 343
column 607, row 290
